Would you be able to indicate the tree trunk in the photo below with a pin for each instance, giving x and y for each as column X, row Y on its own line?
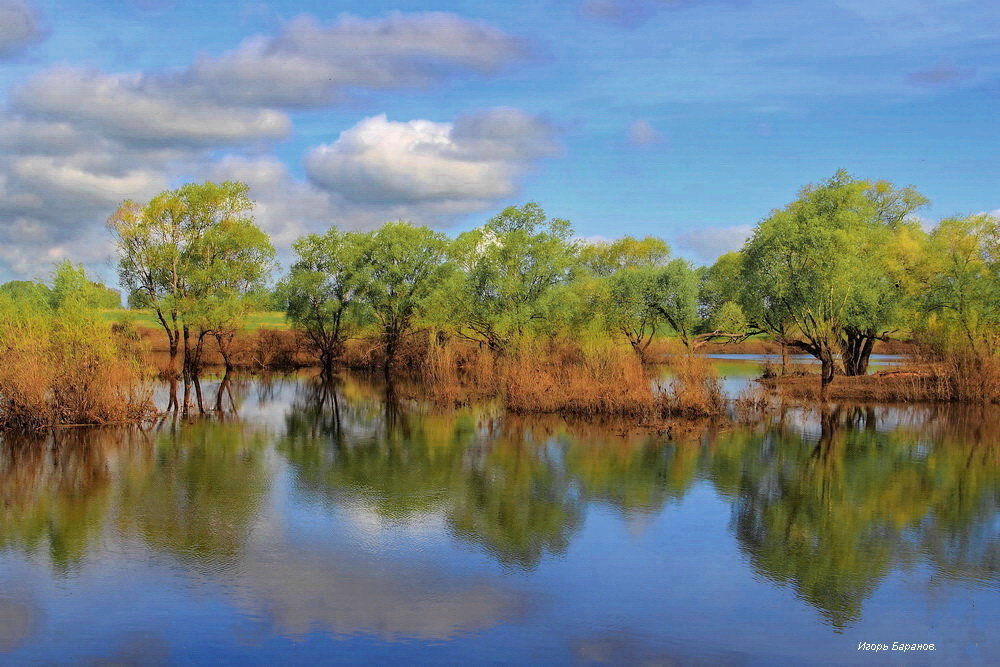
column 186, row 366
column 391, row 344
column 172, row 347
column 198, row 395
column 826, row 371
column 223, row 342
column 856, row 350
column 172, row 403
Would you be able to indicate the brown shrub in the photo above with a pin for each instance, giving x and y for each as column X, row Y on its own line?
column 694, row 391
column 69, row 368
column 566, row 378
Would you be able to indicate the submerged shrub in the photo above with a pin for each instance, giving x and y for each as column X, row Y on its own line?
column 569, row 378
column 66, row 366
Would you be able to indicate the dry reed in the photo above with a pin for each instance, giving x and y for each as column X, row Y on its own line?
column 566, row 378
column 69, row 369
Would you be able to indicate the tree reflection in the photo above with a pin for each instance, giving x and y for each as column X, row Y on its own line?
column 832, row 516
column 355, row 444
column 55, row 490
column 827, row 503
column 202, row 492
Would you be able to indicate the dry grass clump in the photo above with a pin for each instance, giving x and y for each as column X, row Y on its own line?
column 68, row 368
column 752, row 403
column 608, row 381
column 961, row 375
column 566, row 378
column 270, row 349
column 694, row 391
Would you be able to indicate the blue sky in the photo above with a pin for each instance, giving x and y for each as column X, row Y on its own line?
column 687, row 119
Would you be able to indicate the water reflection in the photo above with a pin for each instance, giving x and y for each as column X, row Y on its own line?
column 824, row 503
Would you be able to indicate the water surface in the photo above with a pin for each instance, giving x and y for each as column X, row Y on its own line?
column 349, row 522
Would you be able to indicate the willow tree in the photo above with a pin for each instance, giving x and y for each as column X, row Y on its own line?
column 821, row 273
column 399, row 265
column 627, row 306
column 323, row 292
column 507, row 272
column 606, row 259
column 194, row 256
column 963, row 282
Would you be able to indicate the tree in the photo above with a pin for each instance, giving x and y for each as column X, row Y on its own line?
column 507, row 271
column 818, row 274
column 606, row 259
column 720, row 284
column 71, row 279
column 399, row 266
column 628, row 306
column 963, row 282
column 34, row 295
column 193, row 256
column 229, row 262
column 323, row 290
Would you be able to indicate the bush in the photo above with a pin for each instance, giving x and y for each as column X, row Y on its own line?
column 66, row 366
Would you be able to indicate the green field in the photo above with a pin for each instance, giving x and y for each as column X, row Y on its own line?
column 145, row 318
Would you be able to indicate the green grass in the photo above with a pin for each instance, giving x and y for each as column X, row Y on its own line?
column 145, row 318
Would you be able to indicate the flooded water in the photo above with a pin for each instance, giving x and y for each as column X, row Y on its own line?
column 349, row 522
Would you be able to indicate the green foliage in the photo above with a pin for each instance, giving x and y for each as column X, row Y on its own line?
column 399, row 266
column 676, row 298
column 820, row 272
column 606, row 259
column 194, row 256
column 720, row 284
column 323, row 291
column 963, row 280
column 628, row 305
column 71, row 286
column 33, row 295
column 508, row 271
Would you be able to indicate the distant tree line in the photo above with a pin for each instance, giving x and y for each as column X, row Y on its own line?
column 843, row 266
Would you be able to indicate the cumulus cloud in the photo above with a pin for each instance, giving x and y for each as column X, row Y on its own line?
column 642, row 133
column 20, row 26
column 461, row 165
column 309, row 64
column 74, row 142
column 707, row 243
column 284, row 207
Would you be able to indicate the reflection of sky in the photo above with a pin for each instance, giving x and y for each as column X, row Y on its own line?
column 335, row 581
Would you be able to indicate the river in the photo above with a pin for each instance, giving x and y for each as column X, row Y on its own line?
column 350, row 523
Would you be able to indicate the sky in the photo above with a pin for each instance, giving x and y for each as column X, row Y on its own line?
column 685, row 119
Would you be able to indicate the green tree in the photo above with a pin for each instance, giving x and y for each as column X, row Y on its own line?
column 819, row 274
column 400, row 265
column 35, row 295
column 963, row 281
column 628, row 306
column 193, row 256
column 323, row 292
column 606, row 259
column 507, row 271
column 71, row 281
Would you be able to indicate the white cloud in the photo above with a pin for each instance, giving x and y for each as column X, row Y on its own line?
column 466, row 164
column 309, row 64
column 707, row 243
column 642, row 133
column 284, row 207
column 20, row 26
column 140, row 109
column 75, row 142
